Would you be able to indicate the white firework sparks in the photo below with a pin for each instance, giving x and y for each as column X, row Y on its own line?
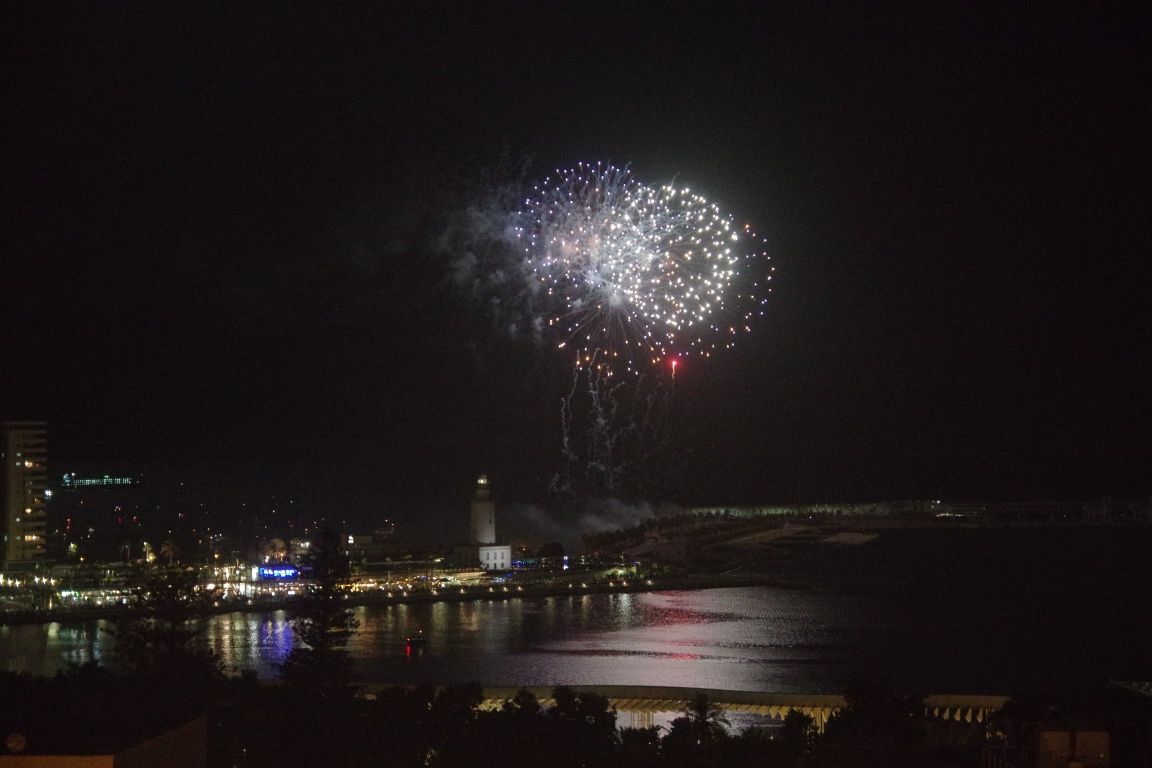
column 637, row 275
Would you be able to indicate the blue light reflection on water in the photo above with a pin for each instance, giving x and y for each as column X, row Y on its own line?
column 750, row 638
column 994, row 611
column 747, row 638
column 251, row 641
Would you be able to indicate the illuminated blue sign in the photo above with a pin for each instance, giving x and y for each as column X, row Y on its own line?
column 278, row 573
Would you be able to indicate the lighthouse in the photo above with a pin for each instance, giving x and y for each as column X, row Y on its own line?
column 482, row 549
column 483, row 513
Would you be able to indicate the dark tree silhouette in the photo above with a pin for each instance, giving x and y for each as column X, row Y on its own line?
column 797, row 734
column 639, row 748
column 163, row 638
column 698, row 736
column 877, row 714
column 582, row 728
column 318, row 663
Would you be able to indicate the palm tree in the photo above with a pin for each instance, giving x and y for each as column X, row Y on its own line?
column 706, row 718
column 276, row 550
column 170, row 550
column 698, row 737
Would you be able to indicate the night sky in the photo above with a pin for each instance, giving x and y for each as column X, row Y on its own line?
column 223, row 251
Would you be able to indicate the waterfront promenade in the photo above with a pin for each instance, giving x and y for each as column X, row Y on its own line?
column 353, row 599
column 637, row 704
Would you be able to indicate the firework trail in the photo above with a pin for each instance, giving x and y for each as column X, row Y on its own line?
column 631, row 279
column 613, row 433
column 628, row 282
column 633, row 276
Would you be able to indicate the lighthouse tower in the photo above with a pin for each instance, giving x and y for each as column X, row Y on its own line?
column 483, row 513
column 482, row 549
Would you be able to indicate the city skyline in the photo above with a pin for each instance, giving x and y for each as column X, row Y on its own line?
column 227, row 250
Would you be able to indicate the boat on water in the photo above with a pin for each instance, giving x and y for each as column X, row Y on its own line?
column 415, row 644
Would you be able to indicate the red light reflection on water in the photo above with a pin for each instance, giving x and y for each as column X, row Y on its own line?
column 661, row 609
column 679, row 616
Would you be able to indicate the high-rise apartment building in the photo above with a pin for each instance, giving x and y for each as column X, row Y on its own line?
column 23, row 479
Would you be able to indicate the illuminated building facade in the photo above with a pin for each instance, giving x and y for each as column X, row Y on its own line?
column 72, row 481
column 494, row 557
column 24, row 452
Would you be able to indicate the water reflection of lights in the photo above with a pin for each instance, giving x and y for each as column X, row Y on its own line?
column 512, row 638
column 277, row 640
column 621, row 609
column 253, row 648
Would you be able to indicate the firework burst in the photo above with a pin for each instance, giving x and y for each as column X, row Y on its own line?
column 633, row 275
